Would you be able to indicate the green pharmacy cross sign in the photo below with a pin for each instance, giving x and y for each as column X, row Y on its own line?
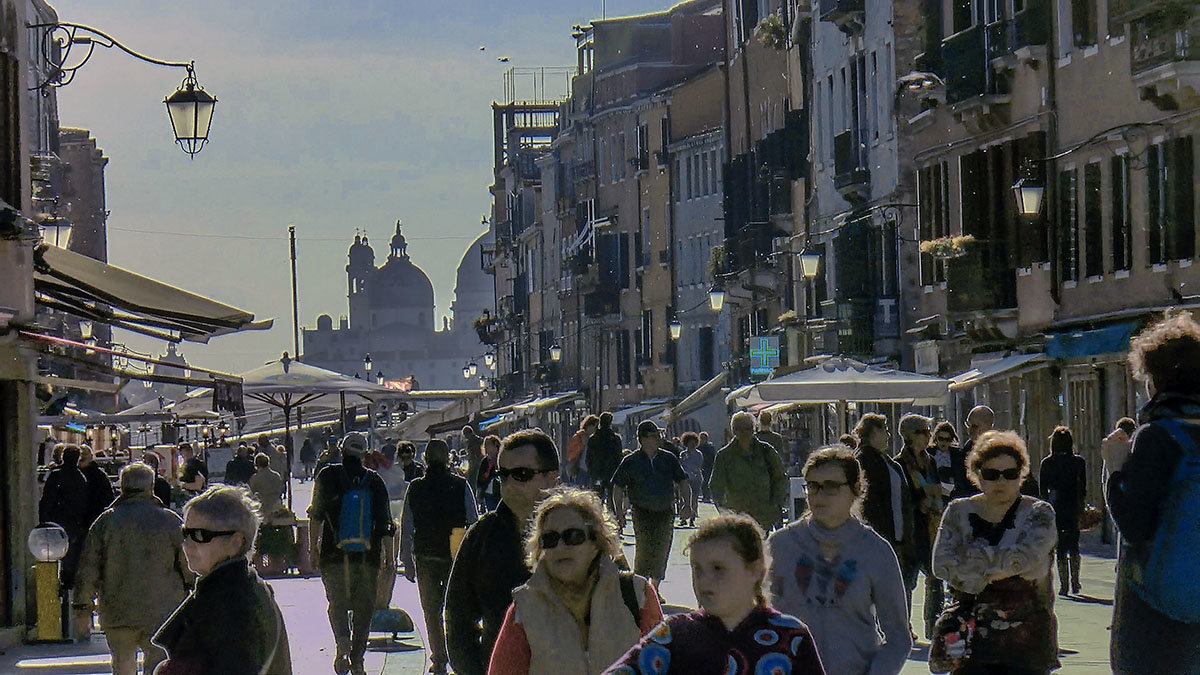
column 764, row 354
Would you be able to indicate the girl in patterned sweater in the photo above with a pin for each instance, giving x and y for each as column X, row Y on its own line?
column 735, row 631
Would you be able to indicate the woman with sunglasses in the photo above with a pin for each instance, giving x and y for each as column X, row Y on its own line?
column 578, row 612
column 735, row 630
column 840, row 577
column 230, row 622
column 994, row 550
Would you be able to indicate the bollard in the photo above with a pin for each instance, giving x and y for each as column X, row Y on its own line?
column 304, row 554
column 49, row 604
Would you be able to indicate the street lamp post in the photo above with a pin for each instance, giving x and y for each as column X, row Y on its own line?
column 189, row 108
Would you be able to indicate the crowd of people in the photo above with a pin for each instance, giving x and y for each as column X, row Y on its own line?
column 519, row 565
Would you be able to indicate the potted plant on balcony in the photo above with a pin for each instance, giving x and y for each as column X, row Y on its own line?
column 486, row 328
column 771, row 33
column 946, row 248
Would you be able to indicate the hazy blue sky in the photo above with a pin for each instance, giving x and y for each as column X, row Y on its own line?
column 331, row 116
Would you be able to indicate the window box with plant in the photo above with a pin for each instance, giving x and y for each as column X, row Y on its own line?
column 946, row 248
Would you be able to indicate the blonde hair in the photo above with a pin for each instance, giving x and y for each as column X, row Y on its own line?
column 993, row 444
column 588, row 506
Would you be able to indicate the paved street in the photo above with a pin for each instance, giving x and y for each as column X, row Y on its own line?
column 1083, row 623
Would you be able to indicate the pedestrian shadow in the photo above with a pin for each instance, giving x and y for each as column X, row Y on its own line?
column 919, row 652
column 388, row 645
column 1090, row 600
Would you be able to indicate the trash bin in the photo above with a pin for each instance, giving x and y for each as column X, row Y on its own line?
column 304, row 555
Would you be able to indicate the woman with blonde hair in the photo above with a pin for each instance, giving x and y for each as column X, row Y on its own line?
column 840, row 577
column 735, row 630
column 994, row 551
column 578, row 612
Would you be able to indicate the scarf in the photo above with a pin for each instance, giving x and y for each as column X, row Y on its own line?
column 982, row 528
column 1168, row 404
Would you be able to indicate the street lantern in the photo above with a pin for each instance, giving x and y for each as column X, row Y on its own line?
column 474, row 368
column 466, row 372
column 555, row 353
column 147, row 384
column 809, row 262
column 1029, row 197
column 367, row 364
column 489, row 359
column 675, row 328
column 716, row 298
column 191, row 111
column 379, row 378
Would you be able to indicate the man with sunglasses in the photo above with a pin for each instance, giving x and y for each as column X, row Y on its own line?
column 651, row 480
column 491, row 560
column 349, row 577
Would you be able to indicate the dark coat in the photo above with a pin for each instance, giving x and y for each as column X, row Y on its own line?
column 1063, row 480
column 100, row 490
column 239, row 471
column 66, row 501
column 230, row 624
column 1143, row 639
column 603, row 454
column 489, row 565
column 877, row 507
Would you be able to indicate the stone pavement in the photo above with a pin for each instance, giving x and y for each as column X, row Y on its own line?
column 1083, row 624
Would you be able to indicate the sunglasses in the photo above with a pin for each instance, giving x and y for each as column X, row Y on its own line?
column 572, row 536
column 521, row 474
column 996, row 474
column 945, row 439
column 828, row 487
column 203, row 536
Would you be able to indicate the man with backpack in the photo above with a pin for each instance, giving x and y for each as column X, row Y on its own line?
column 1154, row 496
column 438, row 507
column 349, row 518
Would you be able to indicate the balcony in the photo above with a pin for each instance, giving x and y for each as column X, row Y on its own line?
column 1165, row 59
column 603, row 300
column 980, row 281
column 847, row 15
column 851, row 165
column 1021, row 40
column 977, row 95
column 1124, row 11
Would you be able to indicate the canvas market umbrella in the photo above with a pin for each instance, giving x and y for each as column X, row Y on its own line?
column 840, row 379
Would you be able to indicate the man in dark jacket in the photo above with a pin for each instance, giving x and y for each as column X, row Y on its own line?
column 349, row 576
column 491, row 560
column 407, row 453
column 240, row 469
column 888, row 513
column 66, row 501
column 133, row 561
column 709, row 451
column 434, row 506
column 1063, row 479
column 162, row 489
column 603, row 454
column 100, row 488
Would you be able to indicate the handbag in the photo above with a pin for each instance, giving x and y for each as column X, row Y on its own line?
column 1090, row 516
column 952, row 632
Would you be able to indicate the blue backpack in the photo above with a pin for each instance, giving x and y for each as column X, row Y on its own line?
column 1170, row 578
column 354, row 521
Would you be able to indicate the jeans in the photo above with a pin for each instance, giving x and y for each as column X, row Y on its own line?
column 432, row 575
column 124, row 644
column 1068, row 558
column 934, row 592
column 350, row 588
column 652, row 533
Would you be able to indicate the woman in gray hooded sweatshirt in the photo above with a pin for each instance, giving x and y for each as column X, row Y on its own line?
column 838, row 576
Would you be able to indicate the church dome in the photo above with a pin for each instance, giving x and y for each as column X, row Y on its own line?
column 361, row 254
column 400, row 283
column 471, row 277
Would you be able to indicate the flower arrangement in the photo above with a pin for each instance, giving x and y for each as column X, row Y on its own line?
column 947, row 247
column 771, row 33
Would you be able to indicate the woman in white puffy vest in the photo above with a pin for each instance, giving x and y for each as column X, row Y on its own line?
column 579, row 612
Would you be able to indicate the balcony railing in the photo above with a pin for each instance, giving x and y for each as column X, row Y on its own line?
column 1123, row 11
column 1030, row 27
column 965, row 61
column 1155, row 42
column 848, row 15
column 851, row 164
column 980, row 280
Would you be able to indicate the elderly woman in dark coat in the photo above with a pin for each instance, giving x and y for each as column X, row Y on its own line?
column 230, row 623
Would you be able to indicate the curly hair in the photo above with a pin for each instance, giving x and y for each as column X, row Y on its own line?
column 993, row 444
column 744, row 535
column 1167, row 354
column 690, row 436
column 587, row 504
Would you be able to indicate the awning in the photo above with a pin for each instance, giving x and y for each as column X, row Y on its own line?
column 1079, row 343
column 533, row 406
column 1008, row 366
column 447, row 426
column 639, row 412
column 843, row 379
column 85, row 287
column 698, row 398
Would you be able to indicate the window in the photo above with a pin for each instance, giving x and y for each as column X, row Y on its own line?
column 1083, row 22
column 621, row 160
column 873, row 123
column 646, row 347
column 934, row 217
column 705, row 347
column 1093, row 240
column 706, row 181
column 690, row 191
column 600, row 168
column 624, row 365
column 960, row 15
column 678, row 179
column 829, row 104
column 643, row 147
column 1122, row 232
column 623, row 268
column 1068, row 226
column 1171, row 187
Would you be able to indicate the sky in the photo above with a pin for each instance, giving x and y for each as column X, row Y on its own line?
column 330, row 116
